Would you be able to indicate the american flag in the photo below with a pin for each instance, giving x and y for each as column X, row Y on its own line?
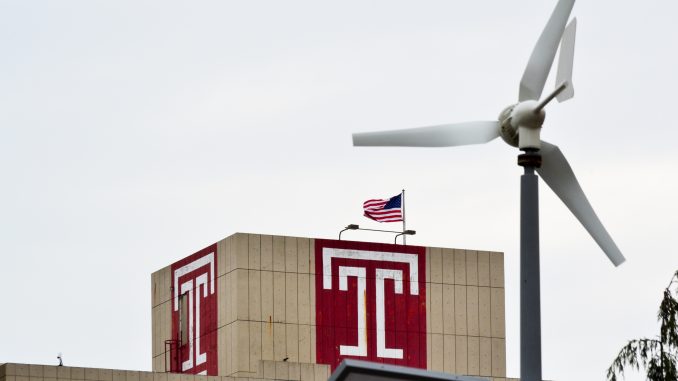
column 390, row 210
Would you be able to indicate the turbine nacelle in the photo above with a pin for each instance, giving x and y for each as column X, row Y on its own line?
column 520, row 125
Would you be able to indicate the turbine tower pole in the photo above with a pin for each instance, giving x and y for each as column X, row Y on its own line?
column 530, row 303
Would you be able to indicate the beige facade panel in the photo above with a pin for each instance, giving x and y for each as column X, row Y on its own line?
column 226, row 359
column 460, row 316
column 130, row 375
column 104, row 374
column 242, row 295
column 279, row 341
column 222, row 291
column 279, row 292
column 160, row 315
column 435, row 256
column 484, row 312
column 91, row 374
column 496, row 269
column 291, row 297
column 279, row 254
column 304, row 299
column 266, row 252
column 498, row 357
column 241, row 246
column 160, row 377
column 303, row 255
column 485, row 348
column 290, row 255
column 466, row 310
column 305, row 343
column 255, row 344
column 155, row 319
column 20, row 370
column 497, row 312
column 459, row 266
column 313, row 347
column 118, row 375
column 254, row 251
column 282, row 370
column 437, row 357
column 483, row 268
column 471, row 267
column 448, row 309
column 292, row 337
column 472, row 319
column 449, row 354
column 448, row 266
column 221, row 256
column 294, row 371
column 436, row 290
column 429, row 311
column 306, row 372
column 267, row 297
column 231, row 296
column 461, row 354
column 268, row 368
column 473, row 356
column 254, row 293
column 242, row 353
column 321, row 372
column 267, row 341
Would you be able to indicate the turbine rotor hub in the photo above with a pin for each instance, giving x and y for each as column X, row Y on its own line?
column 506, row 129
column 520, row 125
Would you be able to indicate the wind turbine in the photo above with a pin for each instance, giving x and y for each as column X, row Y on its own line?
column 520, row 126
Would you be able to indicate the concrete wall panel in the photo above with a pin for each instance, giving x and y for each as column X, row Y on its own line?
column 436, row 291
column 472, row 310
column 484, row 312
column 437, row 357
column 473, row 356
column 471, row 267
column 449, row 353
column 459, row 266
column 461, row 353
column 448, row 266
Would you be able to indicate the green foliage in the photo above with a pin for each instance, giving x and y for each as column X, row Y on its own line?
column 658, row 356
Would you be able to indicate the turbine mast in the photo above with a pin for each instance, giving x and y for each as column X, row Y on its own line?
column 530, row 299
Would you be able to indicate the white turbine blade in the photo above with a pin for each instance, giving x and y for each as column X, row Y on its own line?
column 539, row 65
column 566, row 61
column 557, row 173
column 445, row 135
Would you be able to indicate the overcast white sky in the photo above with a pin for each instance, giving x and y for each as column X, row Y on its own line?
column 134, row 133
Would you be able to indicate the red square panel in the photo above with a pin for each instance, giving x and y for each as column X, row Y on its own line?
column 370, row 303
column 194, row 282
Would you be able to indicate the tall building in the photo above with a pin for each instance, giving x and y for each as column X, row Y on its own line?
column 290, row 308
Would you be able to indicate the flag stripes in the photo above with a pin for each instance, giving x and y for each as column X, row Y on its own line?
column 380, row 210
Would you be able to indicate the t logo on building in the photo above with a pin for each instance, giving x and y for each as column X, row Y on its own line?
column 370, row 303
column 194, row 314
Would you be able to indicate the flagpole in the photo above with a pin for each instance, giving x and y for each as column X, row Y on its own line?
column 403, row 200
